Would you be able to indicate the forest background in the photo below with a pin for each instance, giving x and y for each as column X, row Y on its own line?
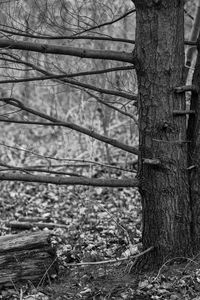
column 103, row 223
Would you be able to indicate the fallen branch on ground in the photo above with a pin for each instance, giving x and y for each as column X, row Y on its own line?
column 110, row 261
column 29, row 225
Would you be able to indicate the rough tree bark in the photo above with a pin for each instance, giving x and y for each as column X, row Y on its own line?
column 162, row 133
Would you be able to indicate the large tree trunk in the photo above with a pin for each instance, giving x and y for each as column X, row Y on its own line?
column 194, row 154
column 163, row 147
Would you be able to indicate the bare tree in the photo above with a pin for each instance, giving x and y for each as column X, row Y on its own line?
column 167, row 192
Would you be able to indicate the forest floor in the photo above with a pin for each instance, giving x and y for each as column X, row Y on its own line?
column 102, row 225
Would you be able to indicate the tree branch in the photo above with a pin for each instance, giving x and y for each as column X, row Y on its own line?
column 38, row 170
column 63, row 50
column 22, row 33
column 188, row 14
column 82, row 162
column 46, row 169
column 82, row 37
column 107, row 182
column 61, row 76
column 107, row 23
column 111, row 106
column 75, row 82
column 107, row 140
column 102, row 262
column 67, row 37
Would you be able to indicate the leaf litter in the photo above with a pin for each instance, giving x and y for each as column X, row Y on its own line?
column 100, row 225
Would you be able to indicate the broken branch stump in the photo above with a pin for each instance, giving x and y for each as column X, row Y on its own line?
column 27, row 258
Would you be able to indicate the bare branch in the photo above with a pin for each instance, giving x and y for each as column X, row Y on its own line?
column 15, row 121
column 107, row 140
column 11, row 120
column 63, row 50
column 82, row 37
column 102, row 262
column 107, row 182
column 61, row 76
column 112, row 107
column 74, row 82
column 42, row 169
column 22, row 33
column 188, row 14
column 38, row 170
column 84, row 162
column 67, row 37
column 107, row 23
column 73, row 37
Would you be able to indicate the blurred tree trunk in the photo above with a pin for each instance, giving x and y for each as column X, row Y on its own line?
column 194, row 154
column 194, row 34
column 162, row 133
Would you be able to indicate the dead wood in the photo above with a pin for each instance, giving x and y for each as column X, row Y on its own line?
column 29, row 225
column 27, row 258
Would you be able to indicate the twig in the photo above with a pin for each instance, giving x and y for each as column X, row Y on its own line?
column 170, row 260
column 110, row 261
column 38, row 170
column 117, row 223
column 90, row 162
column 106, row 23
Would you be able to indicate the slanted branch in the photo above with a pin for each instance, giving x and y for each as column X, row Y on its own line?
column 27, row 258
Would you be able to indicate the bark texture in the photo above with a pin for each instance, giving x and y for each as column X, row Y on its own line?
column 26, row 258
column 194, row 154
column 163, row 186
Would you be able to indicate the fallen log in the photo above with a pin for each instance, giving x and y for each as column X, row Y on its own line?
column 27, row 258
column 33, row 219
column 29, row 225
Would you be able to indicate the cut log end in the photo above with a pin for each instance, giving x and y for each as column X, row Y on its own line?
column 27, row 258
